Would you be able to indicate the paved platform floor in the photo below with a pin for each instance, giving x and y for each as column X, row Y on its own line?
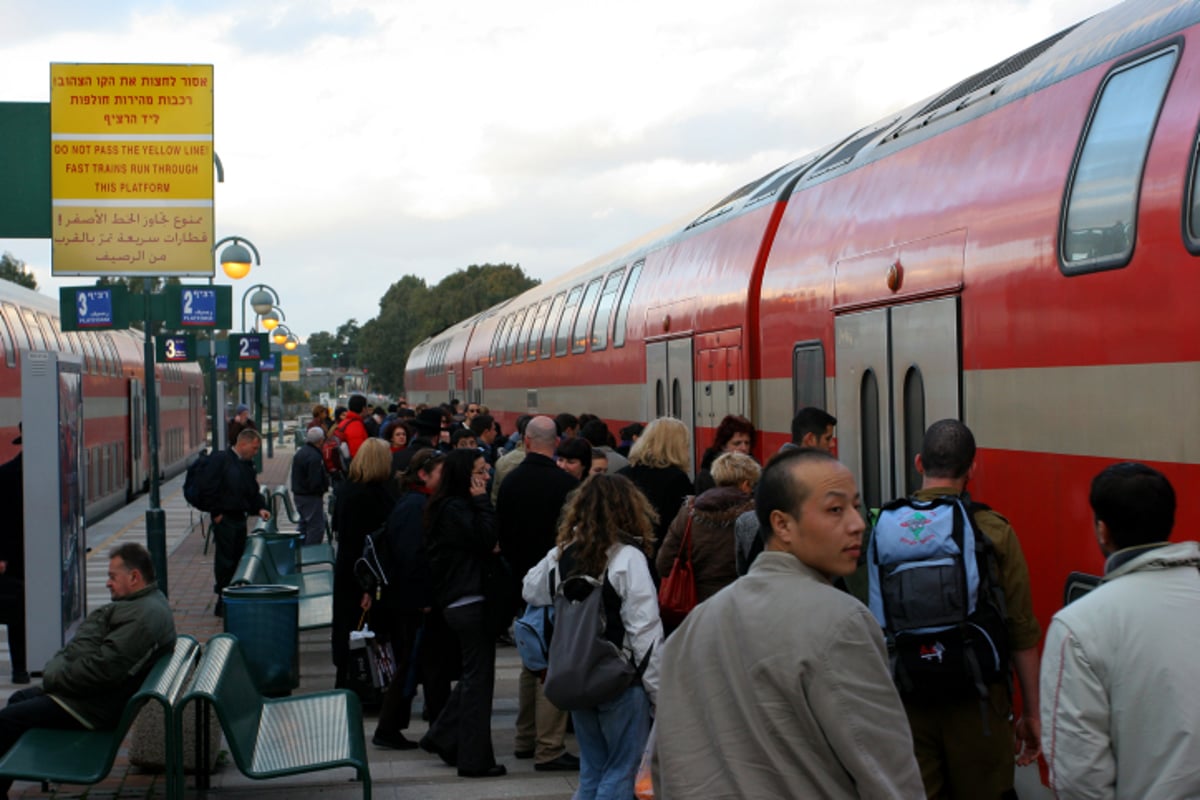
column 395, row 774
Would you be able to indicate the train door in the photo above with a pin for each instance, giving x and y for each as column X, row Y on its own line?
column 139, row 471
column 718, row 375
column 451, row 386
column 669, row 382
column 898, row 370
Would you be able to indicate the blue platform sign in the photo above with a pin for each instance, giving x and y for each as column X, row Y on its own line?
column 94, row 308
column 198, row 307
column 222, row 362
column 267, row 364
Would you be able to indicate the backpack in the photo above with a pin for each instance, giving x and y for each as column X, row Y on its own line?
column 532, row 632
column 933, row 585
column 584, row 668
column 203, row 483
column 333, row 453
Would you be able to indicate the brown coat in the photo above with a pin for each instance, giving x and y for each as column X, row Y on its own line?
column 713, row 555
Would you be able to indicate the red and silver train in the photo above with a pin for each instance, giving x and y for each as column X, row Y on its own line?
column 115, row 438
column 1021, row 251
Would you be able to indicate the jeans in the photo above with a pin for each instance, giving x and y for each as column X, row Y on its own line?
column 611, row 739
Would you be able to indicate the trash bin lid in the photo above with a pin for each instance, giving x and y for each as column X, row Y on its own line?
column 261, row 591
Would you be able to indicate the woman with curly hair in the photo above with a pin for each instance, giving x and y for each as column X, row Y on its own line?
column 605, row 532
column 735, row 434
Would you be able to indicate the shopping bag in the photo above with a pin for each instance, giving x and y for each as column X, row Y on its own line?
column 359, row 675
column 382, row 662
column 643, row 784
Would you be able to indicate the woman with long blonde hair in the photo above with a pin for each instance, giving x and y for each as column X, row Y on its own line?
column 606, row 532
column 658, row 465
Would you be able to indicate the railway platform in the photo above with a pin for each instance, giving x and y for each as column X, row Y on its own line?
column 398, row 775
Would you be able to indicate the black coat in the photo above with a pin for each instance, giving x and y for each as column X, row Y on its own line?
column 409, row 584
column 239, row 486
column 309, row 476
column 12, row 532
column 528, row 506
column 359, row 509
column 665, row 488
column 462, row 535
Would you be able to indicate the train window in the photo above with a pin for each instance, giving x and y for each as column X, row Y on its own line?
column 1099, row 224
column 71, row 339
column 623, row 308
column 10, row 344
column 872, row 469
column 514, row 333
column 49, row 332
column 522, row 344
column 498, row 341
column 914, row 426
column 13, row 318
column 551, row 322
column 535, row 332
column 113, row 353
column 608, row 298
column 102, row 367
column 565, row 322
column 31, row 327
column 583, row 319
column 808, row 376
column 89, row 353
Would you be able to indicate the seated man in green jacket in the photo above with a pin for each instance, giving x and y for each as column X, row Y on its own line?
column 86, row 684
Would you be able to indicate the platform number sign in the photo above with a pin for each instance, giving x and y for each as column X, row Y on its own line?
column 94, row 308
column 198, row 307
column 248, row 347
column 176, row 349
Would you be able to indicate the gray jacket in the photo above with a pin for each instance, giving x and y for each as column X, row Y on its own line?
column 778, row 686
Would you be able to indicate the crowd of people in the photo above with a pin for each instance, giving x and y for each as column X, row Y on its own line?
column 819, row 657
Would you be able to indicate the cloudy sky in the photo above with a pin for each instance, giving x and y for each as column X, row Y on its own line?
column 363, row 140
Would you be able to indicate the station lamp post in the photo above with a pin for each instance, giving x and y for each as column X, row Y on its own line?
column 235, row 261
column 264, row 301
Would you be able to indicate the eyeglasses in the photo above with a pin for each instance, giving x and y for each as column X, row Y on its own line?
column 482, row 471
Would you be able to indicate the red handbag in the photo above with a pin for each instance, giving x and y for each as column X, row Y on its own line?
column 677, row 593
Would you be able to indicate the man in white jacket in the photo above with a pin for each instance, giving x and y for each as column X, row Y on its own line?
column 1121, row 665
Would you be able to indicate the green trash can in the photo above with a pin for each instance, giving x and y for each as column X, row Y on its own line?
column 266, row 621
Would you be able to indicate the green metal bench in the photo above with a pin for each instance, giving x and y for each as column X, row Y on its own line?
column 258, row 567
column 271, row 738
column 86, row 757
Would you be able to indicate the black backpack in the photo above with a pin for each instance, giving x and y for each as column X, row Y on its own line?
column 202, row 486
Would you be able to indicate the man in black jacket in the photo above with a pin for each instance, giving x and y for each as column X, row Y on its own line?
column 310, row 481
column 12, row 563
column 240, row 498
column 528, row 505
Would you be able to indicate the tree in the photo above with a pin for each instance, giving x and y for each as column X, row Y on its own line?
column 347, row 341
column 321, row 347
column 13, row 269
column 410, row 311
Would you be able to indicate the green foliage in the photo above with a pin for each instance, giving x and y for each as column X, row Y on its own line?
column 13, row 269
column 411, row 311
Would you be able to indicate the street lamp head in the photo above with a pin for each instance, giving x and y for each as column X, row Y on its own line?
column 262, row 301
column 271, row 319
column 280, row 335
column 292, row 342
column 235, row 260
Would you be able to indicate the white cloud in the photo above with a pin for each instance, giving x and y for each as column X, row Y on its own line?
column 364, row 139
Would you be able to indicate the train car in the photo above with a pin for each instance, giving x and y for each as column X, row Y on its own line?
column 116, row 446
column 1019, row 252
